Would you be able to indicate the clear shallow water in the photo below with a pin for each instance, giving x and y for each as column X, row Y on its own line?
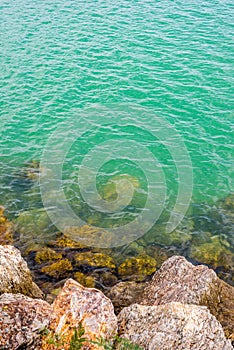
column 174, row 59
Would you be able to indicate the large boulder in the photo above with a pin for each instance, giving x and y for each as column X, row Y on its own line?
column 15, row 276
column 21, row 321
column 172, row 326
column 89, row 307
column 178, row 280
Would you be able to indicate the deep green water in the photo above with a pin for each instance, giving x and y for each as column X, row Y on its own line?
column 169, row 60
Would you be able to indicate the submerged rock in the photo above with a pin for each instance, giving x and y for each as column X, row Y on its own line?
column 137, row 268
column 34, row 226
column 47, row 255
column 58, row 269
column 213, row 253
column 15, row 276
column 66, row 242
column 90, row 236
column 32, row 170
column 179, row 280
column 227, row 203
column 94, row 259
column 218, row 219
column 173, row 326
column 109, row 190
column 179, row 238
column 22, row 319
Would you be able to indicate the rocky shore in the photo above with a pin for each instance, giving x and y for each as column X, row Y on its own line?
column 182, row 307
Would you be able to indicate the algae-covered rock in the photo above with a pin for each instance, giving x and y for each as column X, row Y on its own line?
column 213, row 253
column 34, row 226
column 109, row 191
column 86, row 281
column 6, row 229
column 90, row 236
column 66, row 242
column 58, row 269
column 94, row 259
column 15, row 276
column 137, row 267
column 159, row 235
column 133, row 249
column 227, row 203
column 47, row 255
column 201, row 237
column 32, row 170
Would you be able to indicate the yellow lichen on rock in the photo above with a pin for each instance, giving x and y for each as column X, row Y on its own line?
column 212, row 253
column 94, row 259
column 90, row 236
column 137, row 267
column 66, row 242
column 58, row 269
column 47, row 255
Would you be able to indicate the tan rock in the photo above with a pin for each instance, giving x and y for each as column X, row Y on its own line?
column 172, row 326
column 179, row 280
column 6, row 229
column 22, row 319
column 125, row 293
column 15, row 276
column 77, row 305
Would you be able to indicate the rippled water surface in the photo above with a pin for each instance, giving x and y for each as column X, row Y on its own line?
column 168, row 59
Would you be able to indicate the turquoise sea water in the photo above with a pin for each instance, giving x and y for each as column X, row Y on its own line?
column 168, row 59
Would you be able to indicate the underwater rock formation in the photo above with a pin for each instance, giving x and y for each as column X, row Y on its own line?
column 34, row 226
column 58, row 269
column 94, row 259
column 137, row 268
column 213, row 253
column 47, row 255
